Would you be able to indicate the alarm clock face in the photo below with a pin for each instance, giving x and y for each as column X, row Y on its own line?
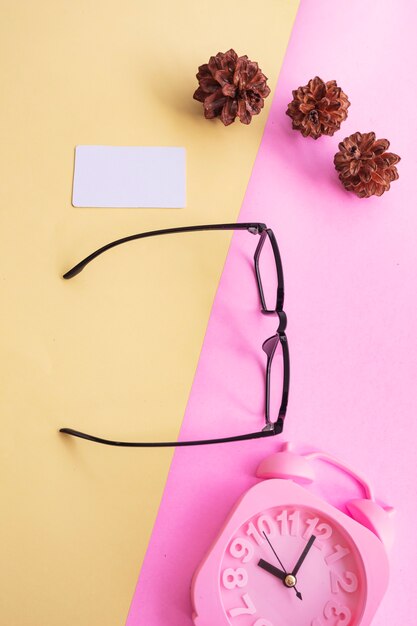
column 292, row 566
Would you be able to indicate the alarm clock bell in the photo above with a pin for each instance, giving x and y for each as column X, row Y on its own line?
column 299, row 468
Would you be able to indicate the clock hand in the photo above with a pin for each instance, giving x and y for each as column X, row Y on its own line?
column 272, row 569
column 289, row 580
column 272, row 548
column 303, row 555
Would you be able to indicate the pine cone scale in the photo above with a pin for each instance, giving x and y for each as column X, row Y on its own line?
column 306, row 108
column 243, row 113
column 213, row 104
column 207, row 85
column 380, row 146
column 365, row 175
column 354, row 167
column 229, row 111
column 378, row 178
column 390, row 158
column 318, row 88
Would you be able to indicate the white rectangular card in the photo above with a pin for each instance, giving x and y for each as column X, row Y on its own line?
column 129, row 176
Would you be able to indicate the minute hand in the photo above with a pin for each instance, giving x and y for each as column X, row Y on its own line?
column 303, row 555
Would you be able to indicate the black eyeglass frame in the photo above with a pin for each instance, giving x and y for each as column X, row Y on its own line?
column 272, row 427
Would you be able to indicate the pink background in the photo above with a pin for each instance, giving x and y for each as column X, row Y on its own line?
column 350, row 271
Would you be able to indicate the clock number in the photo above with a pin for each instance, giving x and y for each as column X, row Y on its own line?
column 333, row 609
column 294, row 523
column 347, row 582
column 233, row 578
column 265, row 524
column 242, row 548
column 262, row 622
column 254, row 533
column 339, row 553
column 249, row 609
column 321, row 531
column 293, row 526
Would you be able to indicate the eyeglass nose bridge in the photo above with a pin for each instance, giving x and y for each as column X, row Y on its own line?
column 269, row 345
column 282, row 321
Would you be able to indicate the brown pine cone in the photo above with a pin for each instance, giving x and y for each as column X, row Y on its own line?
column 364, row 166
column 230, row 87
column 318, row 108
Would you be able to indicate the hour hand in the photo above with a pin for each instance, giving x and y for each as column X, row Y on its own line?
column 272, row 569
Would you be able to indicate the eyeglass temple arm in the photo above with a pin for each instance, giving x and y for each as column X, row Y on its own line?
column 269, row 431
column 253, row 227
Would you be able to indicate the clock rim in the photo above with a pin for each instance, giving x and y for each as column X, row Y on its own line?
column 331, row 520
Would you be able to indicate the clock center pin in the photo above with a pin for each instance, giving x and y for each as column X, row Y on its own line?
column 290, row 580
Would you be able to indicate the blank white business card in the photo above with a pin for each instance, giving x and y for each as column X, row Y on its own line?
column 129, row 176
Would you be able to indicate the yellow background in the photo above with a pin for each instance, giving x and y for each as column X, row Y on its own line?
column 113, row 351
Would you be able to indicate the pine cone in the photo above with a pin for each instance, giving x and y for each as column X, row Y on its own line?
column 364, row 166
column 318, row 108
column 230, row 87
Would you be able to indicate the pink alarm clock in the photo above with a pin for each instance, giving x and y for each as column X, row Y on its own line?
column 285, row 557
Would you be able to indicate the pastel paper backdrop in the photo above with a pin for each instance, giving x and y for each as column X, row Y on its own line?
column 350, row 270
column 113, row 351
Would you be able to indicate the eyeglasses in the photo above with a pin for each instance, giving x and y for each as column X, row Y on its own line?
column 270, row 282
